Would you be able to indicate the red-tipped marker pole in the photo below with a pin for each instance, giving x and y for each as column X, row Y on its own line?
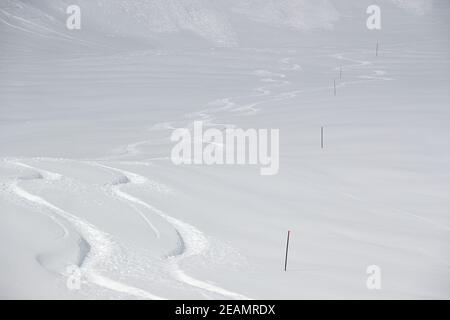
column 287, row 250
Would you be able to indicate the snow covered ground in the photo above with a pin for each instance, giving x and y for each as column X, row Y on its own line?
column 87, row 184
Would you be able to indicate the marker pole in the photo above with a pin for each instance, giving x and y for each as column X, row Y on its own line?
column 287, row 250
column 321, row 137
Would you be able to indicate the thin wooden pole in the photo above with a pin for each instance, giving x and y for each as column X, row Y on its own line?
column 287, row 250
column 321, row 137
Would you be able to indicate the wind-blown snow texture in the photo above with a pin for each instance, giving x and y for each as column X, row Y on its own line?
column 86, row 178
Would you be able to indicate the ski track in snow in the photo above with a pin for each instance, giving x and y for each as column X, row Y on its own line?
column 125, row 178
column 277, row 79
column 192, row 241
column 100, row 243
column 14, row 187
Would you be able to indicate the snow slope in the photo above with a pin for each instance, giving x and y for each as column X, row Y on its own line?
column 85, row 175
